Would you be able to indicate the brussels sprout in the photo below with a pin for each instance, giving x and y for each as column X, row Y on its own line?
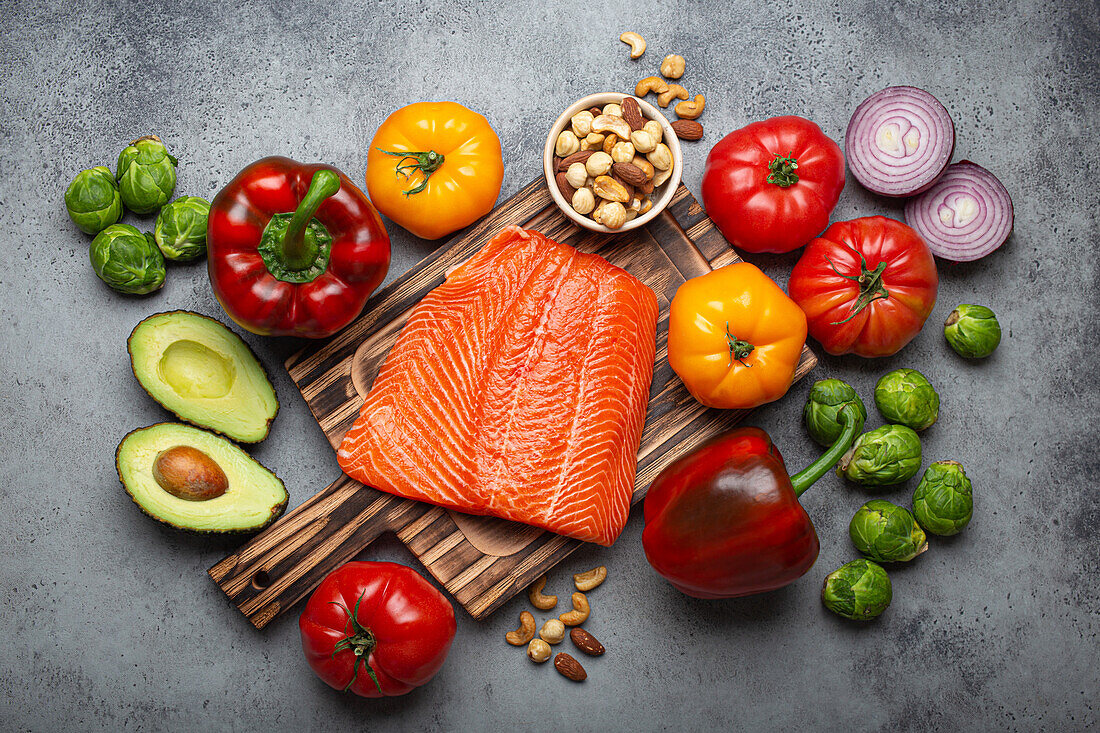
column 127, row 260
column 905, row 397
column 93, row 200
column 180, row 231
column 943, row 501
column 886, row 532
column 859, row 590
column 887, row 455
column 146, row 175
column 972, row 331
column 822, row 411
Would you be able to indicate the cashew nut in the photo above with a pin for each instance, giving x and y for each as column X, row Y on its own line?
column 691, row 110
column 538, row 600
column 553, row 631
column 581, row 609
column 612, row 123
column 650, row 84
column 673, row 66
column 591, row 579
column 636, row 43
column 524, row 633
column 674, row 91
column 538, row 651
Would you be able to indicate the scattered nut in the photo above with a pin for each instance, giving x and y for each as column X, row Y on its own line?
column 592, row 141
column 578, row 157
column 636, row 43
column 576, row 175
column 635, row 176
column 660, row 157
column 691, row 110
column 582, row 123
column 538, row 600
column 581, row 609
column 567, row 144
column 598, row 164
column 584, row 200
column 687, row 129
column 643, row 142
column 563, row 185
column 570, row 668
column 661, row 177
column 538, row 651
column 612, row 215
column 591, row 579
column 654, row 84
column 612, row 109
column 608, row 188
column 609, row 143
column 553, row 631
column 674, row 91
column 623, row 152
column 673, row 66
column 647, row 167
column 653, row 127
column 632, row 113
column 586, row 642
column 524, row 633
column 612, row 123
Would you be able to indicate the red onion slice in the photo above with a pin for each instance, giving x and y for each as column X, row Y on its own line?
column 899, row 141
column 966, row 215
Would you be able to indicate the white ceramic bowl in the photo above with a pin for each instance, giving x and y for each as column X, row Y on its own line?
column 660, row 196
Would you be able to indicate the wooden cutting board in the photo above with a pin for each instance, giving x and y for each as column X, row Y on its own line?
column 481, row 561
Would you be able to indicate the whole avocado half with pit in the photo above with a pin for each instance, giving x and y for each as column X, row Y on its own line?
column 236, row 493
column 204, row 373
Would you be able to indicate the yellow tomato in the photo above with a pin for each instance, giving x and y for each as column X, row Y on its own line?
column 434, row 167
column 734, row 337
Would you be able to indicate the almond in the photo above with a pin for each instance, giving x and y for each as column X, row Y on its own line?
column 578, row 157
column 563, row 185
column 687, row 129
column 629, row 173
column 632, row 113
column 596, row 111
column 569, row 668
column 586, row 642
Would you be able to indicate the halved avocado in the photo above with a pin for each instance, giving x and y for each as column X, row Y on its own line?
column 204, row 373
column 194, row 480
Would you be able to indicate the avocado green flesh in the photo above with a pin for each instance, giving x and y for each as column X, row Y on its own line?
column 204, row 373
column 255, row 497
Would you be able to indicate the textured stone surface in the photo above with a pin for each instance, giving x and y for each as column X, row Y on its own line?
column 111, row 622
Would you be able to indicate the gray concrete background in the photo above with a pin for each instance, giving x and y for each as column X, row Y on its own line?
column 111, row 621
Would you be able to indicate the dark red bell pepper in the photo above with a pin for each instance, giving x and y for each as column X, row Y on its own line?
column 724, row 520
column 294, row 249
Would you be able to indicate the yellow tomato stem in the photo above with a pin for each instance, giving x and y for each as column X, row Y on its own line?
column 427, row 162
column 738, row 349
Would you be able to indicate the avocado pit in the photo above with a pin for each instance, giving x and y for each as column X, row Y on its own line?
column 189, row 474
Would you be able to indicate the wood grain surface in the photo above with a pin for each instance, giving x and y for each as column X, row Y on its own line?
column 481, row 561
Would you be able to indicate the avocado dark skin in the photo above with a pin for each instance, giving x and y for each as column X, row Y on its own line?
column 251, row 497
column 203, row 373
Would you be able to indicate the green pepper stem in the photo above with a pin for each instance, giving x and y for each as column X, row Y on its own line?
column 299, row 251
column 853, row 424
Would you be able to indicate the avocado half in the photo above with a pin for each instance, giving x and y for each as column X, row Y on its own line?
column 249, row 497
column 204, row 373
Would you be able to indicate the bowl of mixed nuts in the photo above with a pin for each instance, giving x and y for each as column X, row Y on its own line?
column 612, row 162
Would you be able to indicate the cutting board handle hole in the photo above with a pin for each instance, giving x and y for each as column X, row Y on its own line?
column 261, row 580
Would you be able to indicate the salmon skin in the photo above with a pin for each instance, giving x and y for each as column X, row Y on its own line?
column 517, row 389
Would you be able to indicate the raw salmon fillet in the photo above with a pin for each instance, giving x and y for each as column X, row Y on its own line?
column 517, row 389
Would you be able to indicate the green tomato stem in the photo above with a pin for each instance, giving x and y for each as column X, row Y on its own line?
column 425, row 161
column 300, row 250
column 783, row 171
column 852, row 421
column 738, row 349
column 360, row 640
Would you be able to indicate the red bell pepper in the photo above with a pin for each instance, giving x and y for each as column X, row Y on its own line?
column 724, row 520
column 294, row 249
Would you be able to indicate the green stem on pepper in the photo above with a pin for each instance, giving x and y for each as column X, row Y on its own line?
column 427, row 162
column 853, row 424
column 360, row 640
column 299, row 249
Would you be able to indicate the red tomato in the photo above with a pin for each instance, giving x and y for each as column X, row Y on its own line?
column 376, row 628
column 866, row 286
column 771, row 186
